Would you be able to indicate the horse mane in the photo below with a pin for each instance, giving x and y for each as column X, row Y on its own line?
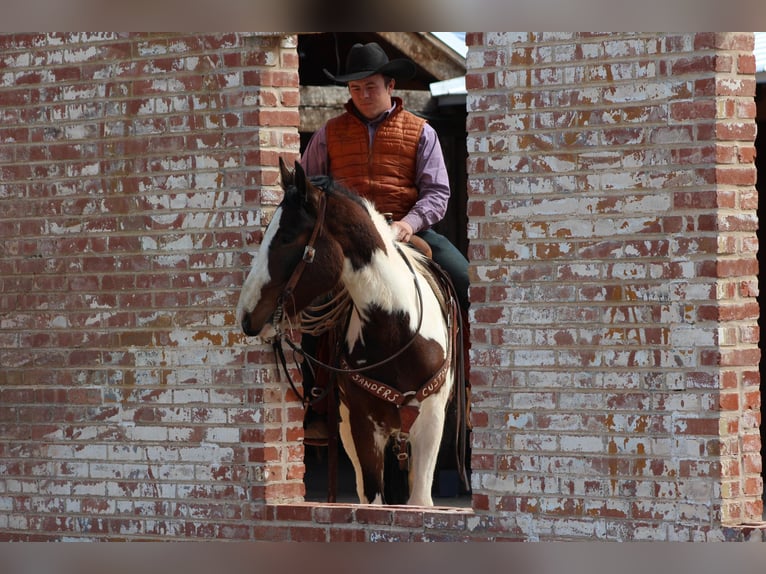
column 331, row 187
column 328, row 185
column 425, row 267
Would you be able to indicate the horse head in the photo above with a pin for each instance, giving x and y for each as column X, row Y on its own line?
column 297, row 262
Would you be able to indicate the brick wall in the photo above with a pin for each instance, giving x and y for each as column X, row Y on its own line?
column 612, row 229
column 134, row 172
column 612, row 239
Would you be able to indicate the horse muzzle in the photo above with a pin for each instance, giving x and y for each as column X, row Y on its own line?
column 247, row 327
column 265, row 330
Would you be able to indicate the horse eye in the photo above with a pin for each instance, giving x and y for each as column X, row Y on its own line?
column 284, row 238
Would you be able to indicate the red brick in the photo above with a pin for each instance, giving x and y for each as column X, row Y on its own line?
column 413, row 519
column 347, row 535
column 333, row 514
column 308, row 534
column 373, row 515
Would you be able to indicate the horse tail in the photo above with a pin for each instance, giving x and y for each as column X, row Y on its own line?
column 396, row 484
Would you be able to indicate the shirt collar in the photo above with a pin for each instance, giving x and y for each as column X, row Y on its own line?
column 382, row 116
column 376, row 120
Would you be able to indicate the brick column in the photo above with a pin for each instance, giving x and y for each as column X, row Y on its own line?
column 736, row 271
column 275, row 455
column 613, row 249
column 136, row 168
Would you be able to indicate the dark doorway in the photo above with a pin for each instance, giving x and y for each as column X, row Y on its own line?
column 760, row 164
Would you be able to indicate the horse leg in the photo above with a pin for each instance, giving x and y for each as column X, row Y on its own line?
column 425, row 438
column 367, row 460
column 348, row 445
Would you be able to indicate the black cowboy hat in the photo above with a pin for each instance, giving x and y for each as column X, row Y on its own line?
column 365, row 60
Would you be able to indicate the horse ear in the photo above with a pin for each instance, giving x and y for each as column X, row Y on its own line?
column 309, row 191
column 299, row 178
column 288, row 177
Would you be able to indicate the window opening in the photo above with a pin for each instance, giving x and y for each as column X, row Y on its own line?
column 321, row 100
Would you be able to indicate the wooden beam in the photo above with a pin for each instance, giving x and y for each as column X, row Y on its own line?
column 428, row 53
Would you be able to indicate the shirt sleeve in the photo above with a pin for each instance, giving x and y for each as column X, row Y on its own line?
column 432, row 181
column 314, row 160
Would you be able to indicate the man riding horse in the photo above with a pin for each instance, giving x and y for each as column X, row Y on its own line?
column 393, row 158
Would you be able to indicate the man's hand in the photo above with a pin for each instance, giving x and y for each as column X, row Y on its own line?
column 402, row 230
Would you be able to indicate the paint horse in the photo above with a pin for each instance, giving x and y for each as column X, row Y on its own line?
column 399, row 352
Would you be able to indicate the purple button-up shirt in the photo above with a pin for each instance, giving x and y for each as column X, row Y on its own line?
column 431, row 178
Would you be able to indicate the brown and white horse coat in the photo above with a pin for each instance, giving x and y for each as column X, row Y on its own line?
column 394, row 308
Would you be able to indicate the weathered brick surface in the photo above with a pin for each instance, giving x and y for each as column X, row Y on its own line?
column 613, row 250
column 612, row 228
column 136, row 173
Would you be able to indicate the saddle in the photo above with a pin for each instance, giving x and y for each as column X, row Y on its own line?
column 415, row 241
column 420, row 244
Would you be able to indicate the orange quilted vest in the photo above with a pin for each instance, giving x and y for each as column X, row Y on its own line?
column 386, row 174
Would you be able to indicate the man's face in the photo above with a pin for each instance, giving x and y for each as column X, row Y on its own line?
column 371, row 95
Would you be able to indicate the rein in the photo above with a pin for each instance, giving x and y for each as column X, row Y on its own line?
column 320, row 318
column 309, row 252
column 308, row 255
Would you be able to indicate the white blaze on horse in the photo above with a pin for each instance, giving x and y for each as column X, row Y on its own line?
column 399, row 359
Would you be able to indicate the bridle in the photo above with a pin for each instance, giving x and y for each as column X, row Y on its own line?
column 309, row 252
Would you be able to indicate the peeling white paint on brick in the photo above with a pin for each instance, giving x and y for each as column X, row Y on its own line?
column 564, row 342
